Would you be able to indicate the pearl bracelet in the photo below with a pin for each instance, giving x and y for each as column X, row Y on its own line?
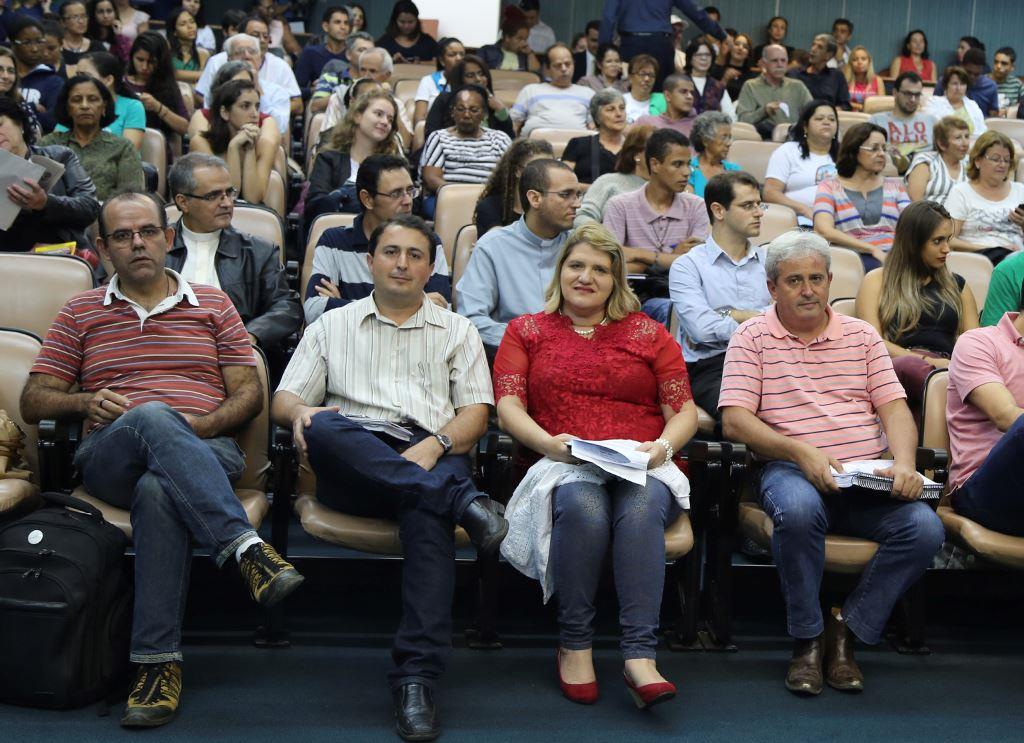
column 667, row 446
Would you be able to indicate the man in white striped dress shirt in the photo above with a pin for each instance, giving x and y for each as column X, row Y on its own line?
column 397, row 356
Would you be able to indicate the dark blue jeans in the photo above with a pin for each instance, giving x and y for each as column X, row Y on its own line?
column 178, row 488
column 992, row 495
column 658, row 46
column 909, row 534
column 586, row 517
column 362, row 474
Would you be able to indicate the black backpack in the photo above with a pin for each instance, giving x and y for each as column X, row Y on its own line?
column 65, row 606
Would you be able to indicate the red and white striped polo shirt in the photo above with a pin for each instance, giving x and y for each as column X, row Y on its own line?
column 172, row 354
column 824, row 393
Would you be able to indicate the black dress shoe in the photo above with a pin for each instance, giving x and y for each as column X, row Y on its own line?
column 804, row 675
column 415, row 714
column 484, row 523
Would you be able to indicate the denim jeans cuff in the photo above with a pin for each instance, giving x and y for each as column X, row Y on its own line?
column 155, row 657
column 398, row 683
column 575, row 644
column 640, row 654
column 866, row 634
column 807, row 631
column 229, row 551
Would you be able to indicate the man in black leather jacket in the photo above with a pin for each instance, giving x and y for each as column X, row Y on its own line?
column 208, row 250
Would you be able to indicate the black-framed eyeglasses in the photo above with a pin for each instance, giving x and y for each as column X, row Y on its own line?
column 231, row 193
column 149, row 233
column 412, row 192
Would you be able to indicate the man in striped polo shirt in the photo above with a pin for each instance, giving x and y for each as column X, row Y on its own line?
column 808, row 389
column 340, row 271
column 165, row 371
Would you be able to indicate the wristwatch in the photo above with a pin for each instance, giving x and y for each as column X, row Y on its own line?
column 444, row 441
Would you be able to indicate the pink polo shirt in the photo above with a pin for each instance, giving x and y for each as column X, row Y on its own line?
column 634, row 223
column 981, row 356
column 824, row 393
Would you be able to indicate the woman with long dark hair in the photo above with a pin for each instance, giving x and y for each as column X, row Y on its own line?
column 188, row 58
column 913, row 57
column 795, row 169
column 914, row 301
column 104, row 28
column 150, row 75
column 235, row 136
column 404, row 37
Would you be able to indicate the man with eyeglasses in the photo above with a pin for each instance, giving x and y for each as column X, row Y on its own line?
column 909, row 127
column 464, row 153
column 269, row 67
column 659, row 222
column 40, row 85
column 822, row 81
column 720, row 284
column 555, row 104
column 510, row 268
column 164, row 373
column 340, row 271
column 208, row 250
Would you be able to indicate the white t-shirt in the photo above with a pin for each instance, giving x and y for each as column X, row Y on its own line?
column 274, row 70
column 542, row 105
column 987, row 223
column 635, row 109
column 800, row 177
column 430, row 87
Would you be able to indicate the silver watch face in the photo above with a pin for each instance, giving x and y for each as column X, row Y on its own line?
column 445, row 441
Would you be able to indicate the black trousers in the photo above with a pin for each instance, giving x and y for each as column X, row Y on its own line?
column 658, row 46
column 706, row 383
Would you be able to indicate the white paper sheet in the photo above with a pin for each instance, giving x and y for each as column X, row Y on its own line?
column 615, row 456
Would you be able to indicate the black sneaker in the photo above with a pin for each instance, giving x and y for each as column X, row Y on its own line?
column 154, row 700
column 268, row 575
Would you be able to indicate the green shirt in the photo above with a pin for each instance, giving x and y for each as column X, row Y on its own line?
column 1004, row 291
column 756, row 93
column 112, row 162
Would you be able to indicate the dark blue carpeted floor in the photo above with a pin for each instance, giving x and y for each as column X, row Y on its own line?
column 314, row 693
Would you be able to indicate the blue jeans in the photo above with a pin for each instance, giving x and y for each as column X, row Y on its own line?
column 909, row 534
column 586, row 517
column 178, row 488
column 992, row 495
column 658, row 308
column 362, row 474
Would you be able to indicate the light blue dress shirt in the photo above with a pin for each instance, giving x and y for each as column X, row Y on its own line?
column 706, row 279
column 508, row 272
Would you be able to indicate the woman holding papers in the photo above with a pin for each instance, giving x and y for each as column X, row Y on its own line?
column 60, row 214
column 914, row 301
column 592, row 366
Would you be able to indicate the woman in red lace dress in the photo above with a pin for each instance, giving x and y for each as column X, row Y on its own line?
column 591, row 365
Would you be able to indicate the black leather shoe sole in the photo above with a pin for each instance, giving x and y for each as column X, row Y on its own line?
column 406, row 734
column 146, row 718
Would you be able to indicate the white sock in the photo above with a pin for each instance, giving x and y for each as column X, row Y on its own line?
column 246, row 545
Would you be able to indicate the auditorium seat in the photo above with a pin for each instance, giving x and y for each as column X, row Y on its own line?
column 419, row 133
column 34, row 287
column 405, row 90
column 18, row 350
column 464, row 243
column 154, row 152
column 456, row 203
column 411, row 72
column 778, row 219
column 847, row 273
column 1012, row 128
column 879, row 104
column 320, row 225
column 559, row 138
column 743, row 130
column 251, row 487
column 845, row 306
column 753, row 156
column 256, row 219
column 512, row 79
column 781, row 132
column 976, row 270
column 276, row 195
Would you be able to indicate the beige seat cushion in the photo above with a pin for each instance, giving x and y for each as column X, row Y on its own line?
column 15, row 494
column 842, row 554
column 377, row 536
column 679, row 537
column 1001, row 549
column 254, row 502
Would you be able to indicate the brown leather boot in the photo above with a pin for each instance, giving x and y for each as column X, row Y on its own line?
column 843, row 673
column 804, row 676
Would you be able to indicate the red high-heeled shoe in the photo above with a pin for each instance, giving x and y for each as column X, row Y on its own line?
column 579, row 693
column 649, row 695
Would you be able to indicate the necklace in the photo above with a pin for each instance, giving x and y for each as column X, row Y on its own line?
column 586, row 332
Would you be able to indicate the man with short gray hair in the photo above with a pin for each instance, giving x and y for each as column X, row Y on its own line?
column 821, row 80
column 808, row 389
column 208, row 250
column 338, row 74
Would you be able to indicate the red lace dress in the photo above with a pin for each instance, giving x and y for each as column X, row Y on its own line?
column 610, row 386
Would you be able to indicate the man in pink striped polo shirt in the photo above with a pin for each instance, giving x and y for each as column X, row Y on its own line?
column 807, row 389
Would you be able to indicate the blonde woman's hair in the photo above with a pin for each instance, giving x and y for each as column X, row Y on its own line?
column 902, row 299
column 622, row 300
column 344, row 134
column 985, row 142
column 848, row 69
